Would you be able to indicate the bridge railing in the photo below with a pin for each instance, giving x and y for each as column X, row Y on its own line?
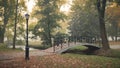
column 66, row 42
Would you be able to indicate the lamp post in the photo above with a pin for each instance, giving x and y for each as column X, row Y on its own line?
column 27, row 47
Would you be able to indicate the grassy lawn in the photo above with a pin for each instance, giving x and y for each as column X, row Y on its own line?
column 38, row 45
column 4, row 48
column 41, row 47
column 78, row 48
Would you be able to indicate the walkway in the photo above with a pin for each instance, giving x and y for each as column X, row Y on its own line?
column 35, row 52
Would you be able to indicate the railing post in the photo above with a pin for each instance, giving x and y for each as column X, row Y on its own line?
column 52, row 39
column 61, row 45
column 68, row 41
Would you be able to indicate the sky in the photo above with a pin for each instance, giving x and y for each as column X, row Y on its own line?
column 31, row 3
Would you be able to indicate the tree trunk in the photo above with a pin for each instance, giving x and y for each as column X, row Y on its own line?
column 5, row 21
column 101, row 11
column 105, row 44
column 1, row 34
column 14, row 39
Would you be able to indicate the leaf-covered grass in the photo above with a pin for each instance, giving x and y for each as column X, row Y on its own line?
column 110, row 53
column 67, row 60
column 96, row 61
column 63, row 61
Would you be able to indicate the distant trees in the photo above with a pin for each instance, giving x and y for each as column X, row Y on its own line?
column 87, row 19
column 84, row 19
column 116, row 1
column 113, row 24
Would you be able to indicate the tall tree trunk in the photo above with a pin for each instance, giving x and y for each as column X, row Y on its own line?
column 5, row 21
column 14, row 39
column 101, row 4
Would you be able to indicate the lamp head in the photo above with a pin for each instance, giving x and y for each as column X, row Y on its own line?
column 27, row 16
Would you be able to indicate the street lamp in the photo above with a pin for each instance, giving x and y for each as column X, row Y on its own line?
column 27, row 47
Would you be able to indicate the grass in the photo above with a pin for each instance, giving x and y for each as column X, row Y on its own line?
column 41, row 47
column 78, row 48
column 38, row 45
column 4, row 48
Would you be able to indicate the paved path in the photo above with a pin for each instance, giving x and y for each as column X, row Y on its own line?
column 33, row 52
column 8, row 56
column 115, row 46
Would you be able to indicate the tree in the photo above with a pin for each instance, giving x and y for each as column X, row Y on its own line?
column 101, row 4
column 7, row 13
column 49, row 16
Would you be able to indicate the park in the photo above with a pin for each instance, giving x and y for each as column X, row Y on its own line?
column 59, row 34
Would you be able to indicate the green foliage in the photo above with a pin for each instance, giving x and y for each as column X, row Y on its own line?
column 7, row 13
column 60, row 37
column 20, row 42
column 7, row 10
column 2, row 45
column 50, row 15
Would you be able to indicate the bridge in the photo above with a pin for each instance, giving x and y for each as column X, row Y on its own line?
column 64, row 47
column 61, row 45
